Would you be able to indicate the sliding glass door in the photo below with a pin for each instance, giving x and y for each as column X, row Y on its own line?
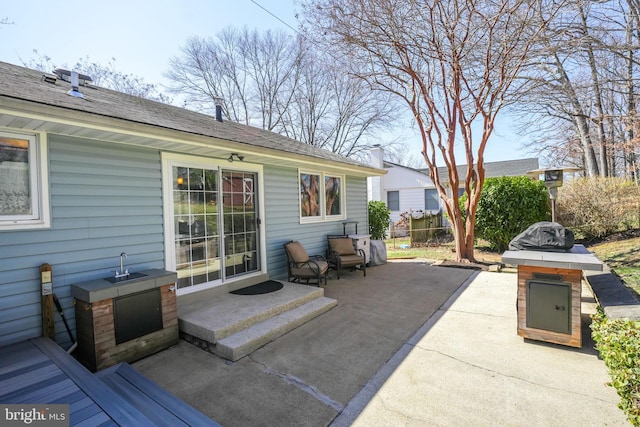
column 240, row 222
column 215, row 224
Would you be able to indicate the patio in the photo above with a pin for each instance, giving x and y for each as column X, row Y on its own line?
column 410, row 344
column 309, row 375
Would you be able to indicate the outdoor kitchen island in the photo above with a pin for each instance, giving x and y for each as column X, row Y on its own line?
column 550, row 292
column 125, row 320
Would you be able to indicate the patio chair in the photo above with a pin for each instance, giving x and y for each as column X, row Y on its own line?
column 342, row 253
column 301, row 266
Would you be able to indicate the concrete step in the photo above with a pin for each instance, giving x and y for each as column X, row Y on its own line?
column 212, row 319
column 250, row 339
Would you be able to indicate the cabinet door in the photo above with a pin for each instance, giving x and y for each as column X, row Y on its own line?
column 549, row 306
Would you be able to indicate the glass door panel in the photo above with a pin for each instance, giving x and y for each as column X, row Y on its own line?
column 196, row 219
column 240, row 222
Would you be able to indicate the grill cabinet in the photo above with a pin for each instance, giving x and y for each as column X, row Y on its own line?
column 550, row 293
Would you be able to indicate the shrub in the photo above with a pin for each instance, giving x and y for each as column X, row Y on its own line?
column 618, row 342
column 598, row 207
column 507, row 206
column 379, row 216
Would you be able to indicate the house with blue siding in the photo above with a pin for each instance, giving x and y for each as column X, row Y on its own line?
column 87, row 174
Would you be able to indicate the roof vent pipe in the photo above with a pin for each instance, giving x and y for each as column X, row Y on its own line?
column 75, row 83
column 218, row 102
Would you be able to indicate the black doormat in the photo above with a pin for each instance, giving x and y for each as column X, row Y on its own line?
column 260, row 288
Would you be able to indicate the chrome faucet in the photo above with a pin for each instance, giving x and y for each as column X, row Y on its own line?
column 122, row 272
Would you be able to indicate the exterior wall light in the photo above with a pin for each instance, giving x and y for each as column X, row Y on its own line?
column 235, row 156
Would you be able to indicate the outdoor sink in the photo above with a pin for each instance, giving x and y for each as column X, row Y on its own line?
column 131, row 276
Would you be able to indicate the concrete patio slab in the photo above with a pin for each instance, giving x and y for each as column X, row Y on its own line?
column 470, row 366
column 363, row 363
column 307, row 376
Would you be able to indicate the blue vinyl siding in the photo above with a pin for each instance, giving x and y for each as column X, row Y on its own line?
column 104, row 200
column 282, row 216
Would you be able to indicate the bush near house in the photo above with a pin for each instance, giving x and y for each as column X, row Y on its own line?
column 598, row 207
column 379, row 216
column 618, row 342
column 507, row 206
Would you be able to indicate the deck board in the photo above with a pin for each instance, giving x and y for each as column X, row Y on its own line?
column 156, row 412
column 38, row 371
column 56, row 388
column 154, row 401
column 25, row 380
column 115, row 406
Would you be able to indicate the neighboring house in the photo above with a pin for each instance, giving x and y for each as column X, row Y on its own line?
column 404, row 189
column 87, row 173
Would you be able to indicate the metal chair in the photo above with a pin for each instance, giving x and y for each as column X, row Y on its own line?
column 301, row 266
column 342, row 253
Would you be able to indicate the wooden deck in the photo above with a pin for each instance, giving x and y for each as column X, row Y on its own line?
column 38, row 371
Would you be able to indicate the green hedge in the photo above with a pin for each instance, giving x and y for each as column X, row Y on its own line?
column 507, row 206
column 379, row 217
column 618, row 342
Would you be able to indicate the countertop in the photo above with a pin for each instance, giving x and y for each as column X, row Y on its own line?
column 578, row 258
column 101, row 289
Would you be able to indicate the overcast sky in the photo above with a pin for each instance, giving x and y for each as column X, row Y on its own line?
column 143, row 35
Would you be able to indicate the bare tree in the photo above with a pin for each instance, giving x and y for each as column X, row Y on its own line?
column 584, row 74
column 255, row 74
column 281, row 83
column 337, row 112
column 451, row 63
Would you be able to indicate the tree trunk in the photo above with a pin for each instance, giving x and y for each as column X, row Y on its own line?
column 463, row 234
column 628, row 148
column 597, row 97
column 590, row 161
column 580, row 118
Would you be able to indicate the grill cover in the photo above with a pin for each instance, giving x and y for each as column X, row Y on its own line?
column 543, row 236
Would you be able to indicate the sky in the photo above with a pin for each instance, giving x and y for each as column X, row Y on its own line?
column 141, row 36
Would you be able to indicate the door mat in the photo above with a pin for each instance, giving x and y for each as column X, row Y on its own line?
column 260, row 288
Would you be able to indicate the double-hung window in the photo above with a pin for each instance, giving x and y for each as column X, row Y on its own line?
column 393, row 200
column 321, row 196
column 431, row 199
column 24, row 195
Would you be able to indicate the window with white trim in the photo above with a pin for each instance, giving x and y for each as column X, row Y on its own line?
column 24, row 195
column 321, row 196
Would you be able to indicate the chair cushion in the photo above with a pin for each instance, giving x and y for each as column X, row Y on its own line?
column 351, row 260
column 343, row 246
column 311, row 269
column 297, row 252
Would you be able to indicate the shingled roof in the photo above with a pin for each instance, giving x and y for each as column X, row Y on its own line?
column 517, row 167
column 21, row 85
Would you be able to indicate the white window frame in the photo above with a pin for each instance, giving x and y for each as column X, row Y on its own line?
column 40, row 216
column 323, row 217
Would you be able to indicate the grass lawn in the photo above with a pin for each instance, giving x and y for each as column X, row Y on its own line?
column 443, row 251
column 621, row 253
